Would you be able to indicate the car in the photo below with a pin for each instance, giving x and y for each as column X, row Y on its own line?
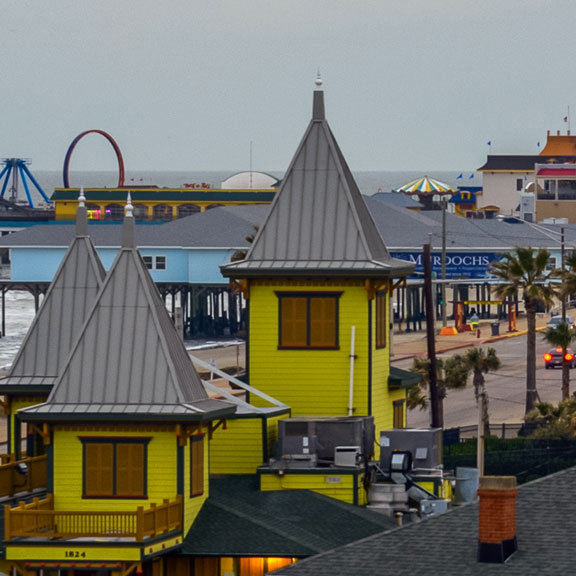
column 555, row 321
column 553, row 358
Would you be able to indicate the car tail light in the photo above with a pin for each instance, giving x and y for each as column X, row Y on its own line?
column 568, row 357
column 547, row 356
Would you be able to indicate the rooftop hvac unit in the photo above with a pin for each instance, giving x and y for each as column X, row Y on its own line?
column 423, row 444
column 345, row 431
column 297, row 436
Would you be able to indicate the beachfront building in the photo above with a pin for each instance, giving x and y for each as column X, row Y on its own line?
column 152, row 203
column 125, row 430
column 507, row 178
column 318, row 280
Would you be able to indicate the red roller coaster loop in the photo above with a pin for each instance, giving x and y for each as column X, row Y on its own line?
column 112, row 142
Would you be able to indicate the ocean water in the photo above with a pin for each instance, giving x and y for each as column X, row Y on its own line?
column 368, row 182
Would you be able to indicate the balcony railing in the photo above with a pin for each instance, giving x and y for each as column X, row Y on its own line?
column 39, row 520
column 22, row 475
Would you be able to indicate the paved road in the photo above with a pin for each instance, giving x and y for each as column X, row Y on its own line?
column 506, row 387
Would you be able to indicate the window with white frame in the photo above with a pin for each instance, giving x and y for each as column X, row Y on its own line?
column 155, row 262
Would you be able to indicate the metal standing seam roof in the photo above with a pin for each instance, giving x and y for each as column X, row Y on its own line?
column 129, row 359
column 318, row 221
column 70, row 297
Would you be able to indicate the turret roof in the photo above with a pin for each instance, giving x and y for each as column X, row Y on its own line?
column 318, row 223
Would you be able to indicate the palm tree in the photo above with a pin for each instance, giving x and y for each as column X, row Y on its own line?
column 562, row 336
column 451, row 374
column 478, row 363
column 526, row 271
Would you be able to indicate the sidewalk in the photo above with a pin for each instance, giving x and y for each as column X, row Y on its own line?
column 413, row 344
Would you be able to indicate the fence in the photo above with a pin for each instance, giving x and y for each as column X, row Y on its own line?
column 38, row 519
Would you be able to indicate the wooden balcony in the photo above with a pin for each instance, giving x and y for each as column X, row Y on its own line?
column 39, row 520
column 22, row 475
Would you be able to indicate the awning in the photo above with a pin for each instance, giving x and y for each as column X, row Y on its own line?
column 401, row 379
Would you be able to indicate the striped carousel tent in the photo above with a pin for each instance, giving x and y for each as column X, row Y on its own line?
column 428, row 191
column 426, row 186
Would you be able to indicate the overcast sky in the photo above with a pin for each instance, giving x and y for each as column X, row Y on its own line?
column 188, row 84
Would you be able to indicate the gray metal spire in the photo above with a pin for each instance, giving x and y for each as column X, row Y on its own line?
column 318, row 223
column 128, row 228
column 81, row 215
column 129, row 361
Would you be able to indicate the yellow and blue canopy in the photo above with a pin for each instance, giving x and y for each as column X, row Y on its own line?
column 425, row 185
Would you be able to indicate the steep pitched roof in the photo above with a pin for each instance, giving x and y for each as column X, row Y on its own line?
column 70, row 297
column 129, row 361
column 318, row 222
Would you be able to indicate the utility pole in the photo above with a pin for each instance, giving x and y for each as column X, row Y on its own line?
column 443, row 286
column 435, row 418
column 562, row 265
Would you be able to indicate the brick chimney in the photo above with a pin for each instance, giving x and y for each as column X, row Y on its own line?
column 497, row 518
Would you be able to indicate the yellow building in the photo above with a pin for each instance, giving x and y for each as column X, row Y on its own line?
column 153, row 203
column 318, row 280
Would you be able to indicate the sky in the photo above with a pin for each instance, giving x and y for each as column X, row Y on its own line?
column 227, row 84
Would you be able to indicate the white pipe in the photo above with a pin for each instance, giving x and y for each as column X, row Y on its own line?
column 352, row 357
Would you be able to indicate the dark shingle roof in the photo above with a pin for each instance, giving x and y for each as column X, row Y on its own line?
column 520, row 163
column 447, row 544
column 239, row 520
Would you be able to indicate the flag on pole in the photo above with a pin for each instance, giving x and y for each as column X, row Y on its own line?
column 471, row 176
column 489, row 142
column 565, row 118
column 538, row 144
column 459, row 176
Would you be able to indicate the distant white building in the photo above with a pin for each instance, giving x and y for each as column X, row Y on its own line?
column 249, row 180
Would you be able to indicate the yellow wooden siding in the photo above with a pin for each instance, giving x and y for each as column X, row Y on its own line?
column 311, row 382
column 239, row 448
column 162, row 467
column 334, row 485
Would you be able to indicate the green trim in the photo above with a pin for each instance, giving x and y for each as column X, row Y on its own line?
column 50, row 468
column 312, row 471
column 180, row 470
column 264, row 439
column 355, row 495
column 118, row 195
column 370, row 357
column 399, row 379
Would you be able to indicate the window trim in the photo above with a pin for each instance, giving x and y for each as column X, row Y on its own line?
column 398, row 410
column 195, row 490
column 309, row 296
column 115, row 441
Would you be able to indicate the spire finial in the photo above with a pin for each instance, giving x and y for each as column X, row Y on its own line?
column 318, row 80
column 128, row 232
column 318, row 105
column 81, row 215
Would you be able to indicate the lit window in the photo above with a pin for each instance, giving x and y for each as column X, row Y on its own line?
column 308, row 320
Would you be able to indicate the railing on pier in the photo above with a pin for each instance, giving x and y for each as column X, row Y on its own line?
column 22, row 475
column 39, row 520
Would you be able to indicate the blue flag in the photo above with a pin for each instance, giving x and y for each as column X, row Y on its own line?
column 471, row 176
column 538, row 144
column 489, row 142
column 459, row 176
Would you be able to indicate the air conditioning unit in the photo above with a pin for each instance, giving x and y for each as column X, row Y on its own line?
column 345, row 431
column 297, row 436
column 423, row 444
column 346, row 456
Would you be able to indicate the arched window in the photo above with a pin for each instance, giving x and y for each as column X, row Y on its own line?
column 140, row 212
column 187, row 209
column 163, row 212
column 114, row 212
column 94, row 212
